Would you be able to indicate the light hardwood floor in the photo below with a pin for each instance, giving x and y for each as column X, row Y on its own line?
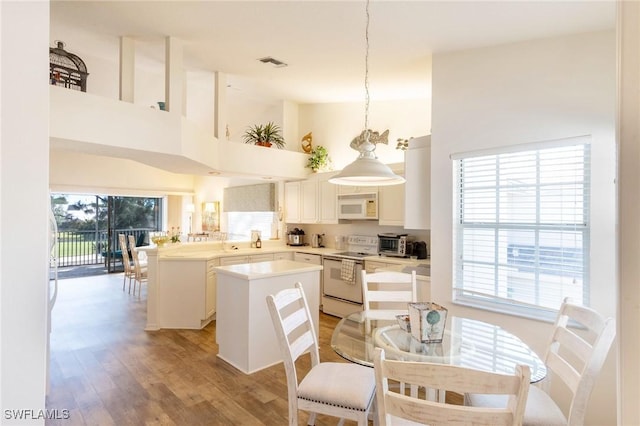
column 106, row 370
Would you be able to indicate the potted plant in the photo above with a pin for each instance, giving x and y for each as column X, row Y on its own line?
column 264, row 135
column 319, row 159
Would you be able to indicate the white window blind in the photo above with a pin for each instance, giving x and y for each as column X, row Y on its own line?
column 240, row 224
column 521, row 240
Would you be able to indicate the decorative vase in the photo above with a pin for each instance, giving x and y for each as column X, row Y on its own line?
column 427, row 321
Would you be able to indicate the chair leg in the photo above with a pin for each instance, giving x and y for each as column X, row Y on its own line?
column 312, row 419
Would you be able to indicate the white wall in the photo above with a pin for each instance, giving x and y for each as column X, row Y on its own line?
column 24, row 207
column 519, row 93
column 629, row 211
column 93, row 174
column 334, row 126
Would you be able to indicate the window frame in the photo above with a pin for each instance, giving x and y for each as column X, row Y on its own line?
column 471, row 297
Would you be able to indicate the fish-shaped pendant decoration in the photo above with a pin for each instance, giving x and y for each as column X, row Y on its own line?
column 374, row 138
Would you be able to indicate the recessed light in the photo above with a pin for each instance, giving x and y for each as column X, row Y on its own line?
column 214, row 173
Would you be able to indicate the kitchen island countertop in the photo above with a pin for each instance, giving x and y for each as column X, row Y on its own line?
column 273, row 268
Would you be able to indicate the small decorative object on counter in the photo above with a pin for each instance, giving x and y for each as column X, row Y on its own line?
column 427, row 321
column 258, row 243
column 175, row 234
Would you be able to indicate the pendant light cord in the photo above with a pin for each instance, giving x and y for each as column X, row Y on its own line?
column 366, row 75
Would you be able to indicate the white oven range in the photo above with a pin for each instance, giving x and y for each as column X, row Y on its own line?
column 342, row 276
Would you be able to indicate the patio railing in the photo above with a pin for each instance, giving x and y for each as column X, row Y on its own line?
column 78, row 248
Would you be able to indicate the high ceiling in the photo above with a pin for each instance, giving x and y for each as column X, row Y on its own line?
column 323, row 42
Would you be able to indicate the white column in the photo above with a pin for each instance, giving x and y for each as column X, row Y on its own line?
column 174, row 76
column 24, row 208
column 127, row 69
column 220, row 106
column 629, row 212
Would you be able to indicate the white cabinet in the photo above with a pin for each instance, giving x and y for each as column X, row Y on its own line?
column 186, row 293
column 292, row 202
column 391, row 205
column 238, row 260
column 417, row 172
column 210, row 289
column 311, row 201
column 314, row 259
column 285, row 255
column 233, row 260
column 327, row 205
column 260, row 257
column 371, row 265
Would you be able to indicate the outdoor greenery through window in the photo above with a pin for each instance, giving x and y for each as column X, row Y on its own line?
column 85, row 223
column 521, row 231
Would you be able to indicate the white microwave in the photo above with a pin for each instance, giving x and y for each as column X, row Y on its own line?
column 358, row 206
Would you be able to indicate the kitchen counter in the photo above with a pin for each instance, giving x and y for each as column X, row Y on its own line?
column 399, row 260
column 276, row 268
column 199, row 251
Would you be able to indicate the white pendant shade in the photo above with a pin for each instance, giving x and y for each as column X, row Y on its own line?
column 367, row 170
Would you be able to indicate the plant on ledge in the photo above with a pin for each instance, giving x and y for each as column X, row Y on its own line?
column 264, row 135
column 319, row 159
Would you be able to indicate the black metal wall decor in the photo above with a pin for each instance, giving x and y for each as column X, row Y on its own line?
column 66, row 69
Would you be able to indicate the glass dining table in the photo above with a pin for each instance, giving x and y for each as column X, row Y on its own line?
column 466, row 343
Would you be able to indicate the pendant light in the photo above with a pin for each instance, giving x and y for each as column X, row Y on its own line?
column 367, row 170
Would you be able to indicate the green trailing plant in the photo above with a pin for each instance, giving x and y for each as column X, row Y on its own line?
column 264, row 135
column 319, row 159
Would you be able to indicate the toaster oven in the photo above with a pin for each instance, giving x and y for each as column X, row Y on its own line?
column 398, row 245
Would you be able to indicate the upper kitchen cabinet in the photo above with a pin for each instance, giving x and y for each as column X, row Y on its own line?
column 417, row 172
column 292, row 202
column 311, row 201
column 391, row 205
column 327, row 205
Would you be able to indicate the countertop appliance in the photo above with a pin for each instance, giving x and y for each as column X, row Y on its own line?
column 317, row 240
column 398, row 245
column 341, row 296
column 358, row 206
column 295, row 237
column 420, row 249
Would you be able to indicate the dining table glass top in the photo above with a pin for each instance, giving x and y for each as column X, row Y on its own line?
column 466, row 343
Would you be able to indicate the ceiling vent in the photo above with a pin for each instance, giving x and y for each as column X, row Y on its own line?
column 276, row 63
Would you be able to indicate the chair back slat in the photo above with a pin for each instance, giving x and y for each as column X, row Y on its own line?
column 450, row 378
column 387, row 288
column 576, row 360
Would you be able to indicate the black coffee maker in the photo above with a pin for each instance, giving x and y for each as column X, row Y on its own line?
column 420, row 249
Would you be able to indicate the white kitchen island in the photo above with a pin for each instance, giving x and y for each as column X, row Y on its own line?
column 244, row 330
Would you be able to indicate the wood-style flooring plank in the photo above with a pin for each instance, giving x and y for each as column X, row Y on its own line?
column 106, row 370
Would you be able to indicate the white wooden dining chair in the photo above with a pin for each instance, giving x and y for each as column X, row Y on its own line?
column 140, row 268
column 395, row 408
column 575, row 356
column 129, row 271
column 388, row 290
column 336, row 389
